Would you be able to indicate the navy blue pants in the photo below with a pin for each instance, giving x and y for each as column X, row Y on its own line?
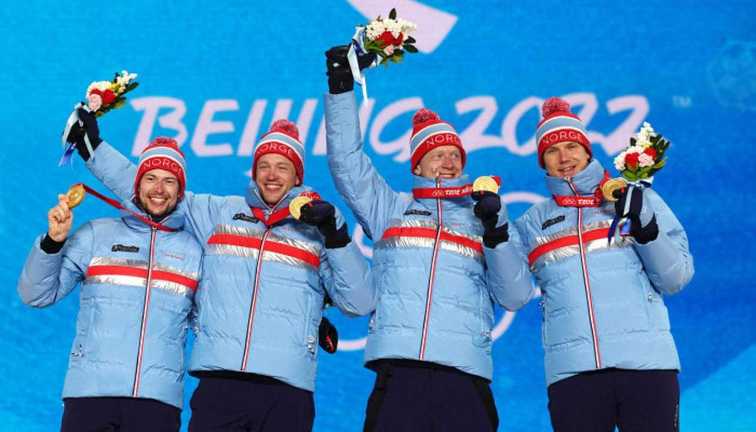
column 233, row 401
column 421, row 396
column 122, row 414
column 633, row 400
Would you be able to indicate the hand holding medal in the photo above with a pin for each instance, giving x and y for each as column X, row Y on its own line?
column 60, row 217
column 296, row 204
column 486, row 184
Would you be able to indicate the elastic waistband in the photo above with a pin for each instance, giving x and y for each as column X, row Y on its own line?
column 238, row 376
column 385, row 365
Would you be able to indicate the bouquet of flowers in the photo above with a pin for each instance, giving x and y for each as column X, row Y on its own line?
column 637, row 164
column 387, row 38
column 644, row 156
column 101, row 96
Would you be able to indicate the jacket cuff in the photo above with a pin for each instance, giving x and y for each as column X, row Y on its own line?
column 50, row 246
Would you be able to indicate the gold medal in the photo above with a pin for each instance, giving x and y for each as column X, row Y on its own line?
column 485, row 183
column 295, row 206
column 75, row 195
column 613, row 187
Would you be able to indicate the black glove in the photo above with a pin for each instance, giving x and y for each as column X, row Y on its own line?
column 642, row 234
column 340, row 78
column 90, row 128
column 328, row 336
column 487, row 210
column 322, row 215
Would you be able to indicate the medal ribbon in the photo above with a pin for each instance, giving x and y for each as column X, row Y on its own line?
column 118, row 205
column 70, row 147
column 443, row 192
column 583, row 200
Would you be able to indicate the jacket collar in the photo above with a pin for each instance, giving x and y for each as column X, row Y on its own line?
column 174, row 221
column 585, row 182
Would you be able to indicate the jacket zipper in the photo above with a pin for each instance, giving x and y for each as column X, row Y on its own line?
column 145, row 311
column 587, row 283
column 253, row 303
column 432, row 276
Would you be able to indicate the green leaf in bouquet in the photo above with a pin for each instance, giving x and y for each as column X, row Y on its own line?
column 632, row 141
column 659, row 165
column 629, row 175
column 410, row 40
column 409, row 48
column 664, row 144
column 392, row 14
column 131, row 86
column 644, row 172
column 119, row 103
column 375, row 45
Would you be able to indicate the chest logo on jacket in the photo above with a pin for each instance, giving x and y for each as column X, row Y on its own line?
column 414, row 212
column 552, row 221
column 124, row 248
column 246, row 218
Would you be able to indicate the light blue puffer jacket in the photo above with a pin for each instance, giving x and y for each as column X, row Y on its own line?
column 258, row 313
column 602, row 305
column 129, row 338
column 436, row 281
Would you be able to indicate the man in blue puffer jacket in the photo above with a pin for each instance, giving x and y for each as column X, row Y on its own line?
column 266, row 276
column 438, row 270
column 138, row 276
column 609, row 355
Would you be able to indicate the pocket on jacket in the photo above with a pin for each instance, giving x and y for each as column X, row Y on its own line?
column 658, row 317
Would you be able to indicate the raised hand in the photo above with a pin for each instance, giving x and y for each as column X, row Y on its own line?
column 59, row 220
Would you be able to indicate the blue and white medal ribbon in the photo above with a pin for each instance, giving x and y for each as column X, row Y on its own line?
column 69, row 147
column 357, row 48
column 621, row 221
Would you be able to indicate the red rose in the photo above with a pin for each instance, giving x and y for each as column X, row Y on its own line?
column 650, row 151
column 388, row 39
column 631, row 160
column 107, row 96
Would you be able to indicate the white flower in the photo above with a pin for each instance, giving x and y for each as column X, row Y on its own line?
column 645, row 133
column 635, row 149
column 645, row 160
column 99, row 85
column 642, row 142
column 619, row 162
column 406, row 26
column 375, row 29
